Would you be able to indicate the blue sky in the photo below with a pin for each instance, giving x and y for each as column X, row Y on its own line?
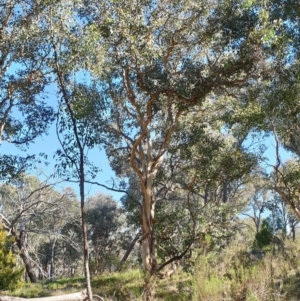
column 49, row 144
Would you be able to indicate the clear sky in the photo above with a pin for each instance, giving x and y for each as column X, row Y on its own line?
column 48, row 144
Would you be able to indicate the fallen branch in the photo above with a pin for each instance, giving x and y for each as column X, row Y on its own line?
column 129, row 249
column 80, row 296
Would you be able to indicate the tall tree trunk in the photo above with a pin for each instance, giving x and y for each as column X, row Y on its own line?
column 225, row 190
column 148, row 252
column 148, row 255
column 21, row 241
column 29, row 268
column 85, row 238
column 80, row 169
column 52, row 259
column 293, row 230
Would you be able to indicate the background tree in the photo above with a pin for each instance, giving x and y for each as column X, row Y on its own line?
column 258, row 200
column 105, row 220
column 286, row 182
column 24, row 114
column 27, row 206
column 271, row 106
column 57, row 238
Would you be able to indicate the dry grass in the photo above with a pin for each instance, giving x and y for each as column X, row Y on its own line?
column 231, row 275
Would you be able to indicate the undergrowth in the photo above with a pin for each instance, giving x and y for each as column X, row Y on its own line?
column 234, row 274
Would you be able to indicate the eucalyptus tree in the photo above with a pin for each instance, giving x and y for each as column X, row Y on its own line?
column 70, row 255
column 285, row 179
column 27, row 204
column 259, row 195
column 282, row 119
column 283, row 215
column 24, row 114
column 75, row 132
column 163, row 61
column 272, row 106
column 199, row 189
column 105, row 222
column 206, row 172
column 283, row 107
column 55, row 235
column 68, row 38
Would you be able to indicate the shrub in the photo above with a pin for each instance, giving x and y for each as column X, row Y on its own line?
column 9, row 273
column 264, row 237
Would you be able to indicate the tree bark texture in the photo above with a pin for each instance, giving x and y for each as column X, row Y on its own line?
column 85, row 240
column 147, row 242
column 149, row 261
column 30, row 270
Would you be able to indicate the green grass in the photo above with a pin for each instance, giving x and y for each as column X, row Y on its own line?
column 126, row 285
column 120, row 285
column 236, row 277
